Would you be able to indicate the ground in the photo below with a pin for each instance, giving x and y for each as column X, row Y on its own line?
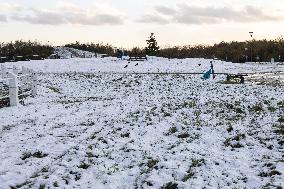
column 96, row 124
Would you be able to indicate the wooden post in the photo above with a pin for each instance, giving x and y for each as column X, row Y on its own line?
column 15, row 70
column 228, row 78
column 24, row 77
column 242, row 80
column 24, row 70
column 4, row 74
column 272, row 60
column 13, row 90
column 30, row 78
column 34, row 84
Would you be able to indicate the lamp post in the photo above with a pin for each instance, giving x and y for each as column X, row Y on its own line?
column 246, row 49
column 251, row 35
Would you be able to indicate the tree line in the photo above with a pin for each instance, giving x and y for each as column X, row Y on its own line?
column 234, row 51
column 254, row 50
column 25, row 49
column 99, row 48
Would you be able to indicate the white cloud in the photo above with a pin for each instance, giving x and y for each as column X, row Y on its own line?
column 40, row 17
column 154, row 18
column 68, row 7
column 3, row 18
column 9, row 7
column 68, row 13
column 189, row 14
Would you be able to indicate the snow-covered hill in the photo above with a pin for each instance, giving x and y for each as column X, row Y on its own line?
column 66, row 53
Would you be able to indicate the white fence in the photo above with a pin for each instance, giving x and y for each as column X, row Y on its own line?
column 16, row 84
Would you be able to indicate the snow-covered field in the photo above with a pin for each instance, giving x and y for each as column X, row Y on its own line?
column 96, row 124
column 154, row 65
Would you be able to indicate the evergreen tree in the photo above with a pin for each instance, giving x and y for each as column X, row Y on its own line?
column 152, row 48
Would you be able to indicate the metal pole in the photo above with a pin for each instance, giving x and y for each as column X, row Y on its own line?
column 251, row 35
column 251, row 53
column 34, row 84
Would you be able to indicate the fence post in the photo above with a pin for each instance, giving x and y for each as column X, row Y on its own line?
column 29, row 78
column 15, row 70
column 272, row 60
column 4, row 74
column 24, row 70
column 24, row 77
column 13, row 90
column 3, row 71
column 34, row 84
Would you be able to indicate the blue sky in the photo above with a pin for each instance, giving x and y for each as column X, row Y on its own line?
column 128, row 22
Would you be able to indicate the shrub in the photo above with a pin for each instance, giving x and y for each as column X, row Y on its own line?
column 25, row 49
column 170, row 185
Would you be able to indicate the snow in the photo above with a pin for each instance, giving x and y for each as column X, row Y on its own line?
column 154, row 65
column 67, row 53
column 99, row 125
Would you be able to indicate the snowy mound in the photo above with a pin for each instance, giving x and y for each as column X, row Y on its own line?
column 66, row 53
